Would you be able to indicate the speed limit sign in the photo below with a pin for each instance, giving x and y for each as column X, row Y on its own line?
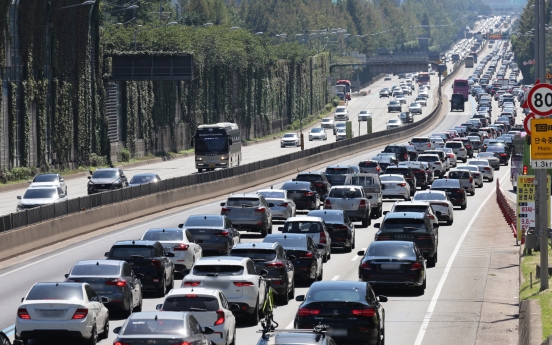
column 540, row 99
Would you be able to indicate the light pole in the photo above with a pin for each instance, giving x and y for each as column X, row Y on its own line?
column 145, row 29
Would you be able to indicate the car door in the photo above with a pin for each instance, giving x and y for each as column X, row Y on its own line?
column 255, row 277
column 235, row 233
column 133, row 283
column 311, row 246
column 96, row 307
column 196, row 248
column 167, row 264
column 195, row 332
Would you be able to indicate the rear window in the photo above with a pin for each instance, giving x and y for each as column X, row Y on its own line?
column 53, row 291
column 221, row 270
column 459, row 174
column 404, row 224
column 368, row 164
column 123, row 252
column 296, row 186
column 248, row 202
column 160, row 235
column 203, row 221
column 429, row 196
column 273, row 195
column 362, row 181
column 336, row 296
column 420, row 140
column 345, row 193
column 410, row 208
column 294, row 242
column 496, row 148
column 333, row 171
column 398, row 171
column 302, row 227
column 446, row 184
column 155, row 326
column 308, row 177
column 336, row 179
column 191, row 302
column 395, row 149
column 428, row 159
column 390, row 249
column 392, row 178
column 328, row 217
column 255, row 254
column 95, row 270
column 454, row 145
column 45, row 178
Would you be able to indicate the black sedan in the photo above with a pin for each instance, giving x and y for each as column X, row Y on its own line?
column 215, row 234
column 394, row 106
column 308, row 258
column 340, row 227
column 303, row 194
column 455, row 192
column 318, row 179
column 351, row 310
column 393, row 263
column 501, row 152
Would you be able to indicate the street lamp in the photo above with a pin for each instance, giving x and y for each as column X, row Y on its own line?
column 155, row 27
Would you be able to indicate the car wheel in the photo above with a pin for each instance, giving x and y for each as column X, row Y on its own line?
column 463, row 207
column 321, row 276
column 419, row 290
column 365, row 222
column 163, row 289
column 464, row 160
column 128, row 311
column 264, row 232
column 431, row 261
column 291, row 293
column 171, row 285
column 449, row 222
column 93, row 338
column 105, row 332
column 199, row 170
column 349, row 248
column 381, row 338
column 472, row 193
column 269, row 230
column 424, row 187
column 138, row 308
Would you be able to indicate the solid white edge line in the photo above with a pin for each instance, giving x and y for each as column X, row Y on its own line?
column 433, row 303
column 335, row 278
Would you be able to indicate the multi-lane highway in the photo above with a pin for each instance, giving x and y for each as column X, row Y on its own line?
column 449, row 309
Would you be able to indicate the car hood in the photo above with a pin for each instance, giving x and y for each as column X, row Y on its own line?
column 44, row 184
column 104, row 180
column 43, row 201
column 289, row 139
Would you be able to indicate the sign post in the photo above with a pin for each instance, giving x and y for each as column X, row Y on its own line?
column 526, row 207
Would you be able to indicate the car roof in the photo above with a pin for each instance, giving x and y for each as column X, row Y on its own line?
column 107, row 169
column 221, row 260
column 285, row 236
column 304, row 219
column 272, row 190
column 134, row 242
column 145, row 174
column 193, row 290
column 256, row 245
column 397, row 215
column 340, row 212
column 412, row 202
column 310, row 173
column 429, row 191
column 339, row 284
column 101, row 262
column 164, row 229
column 165, row 315
column 242, row 195
column 289, row 337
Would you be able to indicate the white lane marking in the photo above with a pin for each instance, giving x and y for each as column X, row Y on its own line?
column 433, row 303
column 335, row 278
column 88, row 243
column 355, row 258
column 290, row 326
column 6, row 330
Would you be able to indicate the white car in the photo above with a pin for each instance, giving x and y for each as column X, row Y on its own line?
column 318, row 133
column 40, row 196
column 327, row 123
column 178, row 241
column 283, row 207
column 290, row 139
column 484, row 166
column 364, row 115
column 341, row 134
column 400, row 97
column 475, row 173
column 421, row 100
column 434, row 162
column 394, row 187
column 236, row 277
column 439, row 202
column 66, row 310
column 453, row 162
column 415, row 108
column 341, row 113
column 438, row 143
column 49, row 180
column 393, row 123
column 209, row 307
column 458, row 149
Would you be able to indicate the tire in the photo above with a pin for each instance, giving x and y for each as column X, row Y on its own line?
column 291, row 293
column 419, row 290
column 138, row 308
column 171, row 285
column 472, row 193
column 129, row 311
column 254, row 318
column 365, row 223
column 4, row 340
column 449, row 222
column 464, row 160
column 354, row 242
column 199, row 170
column 93, row 338
column 282, row 299
column 515, row 189
column 105, row 333
column 269, row 230
column 161, row 292
column 424, row 187
column 491, row 179
column 349, row 248
column 321, row 276
column 264, row 232
column 463, row 207
column 431, row 261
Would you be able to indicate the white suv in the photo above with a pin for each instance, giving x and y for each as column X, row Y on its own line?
column 341, row 113
column 236, row 277
column 458, row 149
column 422, row 144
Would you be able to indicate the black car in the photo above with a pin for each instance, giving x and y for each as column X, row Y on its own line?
column 308, row 258
column 349, row 308
column 412, row 152
column 400, row 150
column 272, row 257
column 149, row 259
column 394, row 264
column 454, row 190
column 319, row 181
column 303, row 194
column 411, row 226
column 106, row 179
column 384, row 92
column 501, row 152
column 457, row 102
column 339, row 226
column 407, row 173
column 215, row 234
column 394, row 106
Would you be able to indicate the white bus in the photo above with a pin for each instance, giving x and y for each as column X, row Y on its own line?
column 217, row 146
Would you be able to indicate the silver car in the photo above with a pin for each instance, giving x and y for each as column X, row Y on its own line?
column 465, row 178
column 415, row 108
column 364, row 115
column 394, row 187
column 493, row 160
column 484, row 166
column 475, row 173
column 318, row 133
column 106, row 179
column 327, row 123
column 40, row 196
column 283, row 206
column 453, row 162
column 49, row 180
column 439, row 202
column 421, row 100
column 290, row 139
column 249, row 212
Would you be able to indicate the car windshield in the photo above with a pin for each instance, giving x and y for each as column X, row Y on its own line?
column 95, row 270
column 429, row 196
column 470, row 168
column 484, row 163
column 254, row 254
column 326, row 120
column 459, row 174
column 363, row 112
column 273, row 195
column 125, row 252
column 368, row 164
column 241, row 202
column 55, row 291
column 389, row 248
column 289, row 135
column 204, row 221
column 105, row 174
column 163, row 235
column 496, row 148
column 45, row 178
column 191, row 302
column 399, row 224
column 142, row 179
column 317, row 130
column 221, row 270
column 157, row 326
column 345, row 193
column 428, row 158
column 391, row 178
column 454, row 145
column 452, row 183
column 340, row 110
column 287, row 242
column 414, row 104
column 302, row 227
column 419, row 140
column 43, row 193
column 308, row 177
column 393, row 121
column 335, row 295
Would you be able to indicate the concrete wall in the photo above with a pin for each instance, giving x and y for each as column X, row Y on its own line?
column 530, row 323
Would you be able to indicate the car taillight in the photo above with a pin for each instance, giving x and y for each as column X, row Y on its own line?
column 430, row 216
column 525, row 170
column 220, row 318
column 440, row 204
column 378, row 169
column 225, row 210
column 307, row 255
column 458, row 190
column 405, row 156
column 156, row 263
column 362, row 204
column 383, row 237
column 462, row 149
column 323, row 238
column 190, row 296
column 308, row 194
column 307, row 312
column 328, row 204
column 241, row 284
column 181, row 247
column 116, row 282
column 401, row 184
column 80, row 314
column 121, row 343
column 471, row 179
column 260, row 210
column 416, row 266
column 193, row 284
column 502, row 155
column 22, row 313
column 487, row 169
column 468, row 146
column 222, row 233
column 366, row 265
column 450, row 155
column 319, row 184
column 277, row 265
column 363, row 312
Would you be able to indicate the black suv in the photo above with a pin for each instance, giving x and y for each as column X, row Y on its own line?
column 454, row 190
column 303, row 194
column 149, row 259
column 319, row 181
column 400, row 150
column 411, row 226
column 408, row 174
column 272, row 257
column 106, row 179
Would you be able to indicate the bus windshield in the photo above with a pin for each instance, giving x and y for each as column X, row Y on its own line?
column 423, row 78
column 214, row 141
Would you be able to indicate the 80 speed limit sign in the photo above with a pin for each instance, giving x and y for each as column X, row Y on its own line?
column 539, row 99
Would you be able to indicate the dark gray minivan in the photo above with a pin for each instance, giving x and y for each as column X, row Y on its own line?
column 457, row 102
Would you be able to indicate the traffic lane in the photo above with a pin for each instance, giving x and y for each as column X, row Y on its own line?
column 185, row 166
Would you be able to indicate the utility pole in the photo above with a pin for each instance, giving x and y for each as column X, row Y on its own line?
column 541, row 216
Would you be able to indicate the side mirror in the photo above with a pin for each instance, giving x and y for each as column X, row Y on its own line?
column 185, row 272
column 230, row 141
column 180, row 226
column 263, row 273
column 104, row 299
column 170, row 255
column 106, row 254
column 291, row 257
column 90, row 171
column 208, row 330
column 139, row 275
column 300, row 298
column 66, row 276
column 321, row 246
column 293, row 179
column 385, row 212
column 159, row 307
column 29, row 181
column 117, row 330
column 280, row 228
column 61, row 180
column 361, row 253
column 89, row 177
column 123, row 176
column 18, row 342
column 382, row 298
column 377, row 225
column 19, row 197
column 234, row 307
column 62, row 195
column 222, row 204
column 22, row 299
column 435, row 226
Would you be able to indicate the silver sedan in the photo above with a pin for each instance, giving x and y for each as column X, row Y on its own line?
column 318, row 133
column 439, row 202
column 283, row 208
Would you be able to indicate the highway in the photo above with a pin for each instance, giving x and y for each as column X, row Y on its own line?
column 455, row 284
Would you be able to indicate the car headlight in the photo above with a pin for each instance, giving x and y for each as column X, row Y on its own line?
column 90, row 183
column 224, row 158
column 199, row 159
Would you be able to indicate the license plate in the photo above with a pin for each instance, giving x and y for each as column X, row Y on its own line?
column 52, row 313
column 390, row 267
column 211, row 165
column 337, row 332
